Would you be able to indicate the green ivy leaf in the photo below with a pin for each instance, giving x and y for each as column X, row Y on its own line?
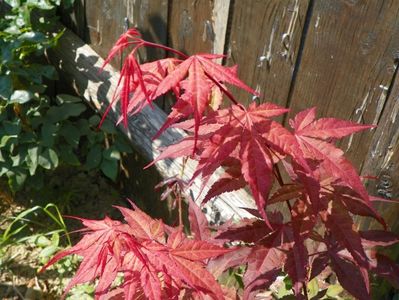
column 67, row 155
column 111, row 154
column 108, row 127
column 122, row 145
column 32, row 159
column 110, row 168
column 5, row 87
column 48, row 159
column 94, row 120
column 48, row 134
column 71, row 133
column 21, row 96
column 12, row 127
column 16, row 180
column 65, row 111
column 94, row 157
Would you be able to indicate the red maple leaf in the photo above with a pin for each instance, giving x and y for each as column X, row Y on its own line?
column 157, row 260
column 250, row 138
column 198, row 76
column 315, row 136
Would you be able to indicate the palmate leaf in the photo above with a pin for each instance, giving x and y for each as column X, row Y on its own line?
column 247, row 136
column 350, row 276
column 314, row 137
column 341, row 226
column 199, row 77
column 157, row 260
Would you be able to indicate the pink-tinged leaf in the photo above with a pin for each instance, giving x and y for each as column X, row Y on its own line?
column 199, row 90
column 247, row 230
column 226, row 183
column 257, row 167
column 173, row 78
column 183, row 148
column 319, row 263
column 340, row 223
column 333, row 163
column 372, row 238
column 350, row 277
column 196, row 276
column 354, row 203
column 222, row 74
column 327, row 128
column 265, row 263
column 262, row 282
column 122, row 43
column 265, row 111
column 296, row 264
column 108, row 275
column 198, row 222
column 151, row 284
column 286, row 192
column 175, row 239
column 198, row 250
column 142, row 225
column 303, row 119
column 229, row 260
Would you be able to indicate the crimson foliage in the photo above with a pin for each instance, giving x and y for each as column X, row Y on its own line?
column 300, row 166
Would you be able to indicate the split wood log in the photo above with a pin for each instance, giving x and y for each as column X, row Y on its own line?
column 79, row 66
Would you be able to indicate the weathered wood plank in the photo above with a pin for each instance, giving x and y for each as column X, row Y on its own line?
column 383, row 158
column 150, row 17
column 79, row 67
column 348, row 64
column 107, row 19
column 264, row 42
column 105, row 22
column 198, row 26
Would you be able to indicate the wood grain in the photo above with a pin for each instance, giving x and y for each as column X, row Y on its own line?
column 79, row 66
column 382, row 159
column 264, row 42
column 197, row 26
column 348, row 64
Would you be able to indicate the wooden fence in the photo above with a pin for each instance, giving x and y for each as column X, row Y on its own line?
column 338, row 55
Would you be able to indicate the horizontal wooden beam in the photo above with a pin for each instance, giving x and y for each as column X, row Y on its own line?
column 79, row 66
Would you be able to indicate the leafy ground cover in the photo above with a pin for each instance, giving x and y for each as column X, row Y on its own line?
column 87, row 194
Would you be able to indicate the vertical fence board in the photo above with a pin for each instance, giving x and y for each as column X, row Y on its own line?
column 264, row 41
column 195, row 26
column 150, row 17
column 348, row 64
column 105, row 22
column 382, row 159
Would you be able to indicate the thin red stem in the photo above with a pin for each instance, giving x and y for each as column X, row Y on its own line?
column 154, row 45
column 226, row 92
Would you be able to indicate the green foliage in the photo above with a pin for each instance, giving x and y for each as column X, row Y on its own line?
column 17, row 228
column 38, row 132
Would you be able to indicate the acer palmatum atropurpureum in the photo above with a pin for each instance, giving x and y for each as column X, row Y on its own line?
column 322, row 194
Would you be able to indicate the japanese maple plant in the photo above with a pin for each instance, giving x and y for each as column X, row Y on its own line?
column 299, row 167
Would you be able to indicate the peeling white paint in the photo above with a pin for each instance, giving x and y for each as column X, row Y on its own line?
column 288, row 34
column 317, row 21
column 360, row 110
column 380, row 105
column 267, row 55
